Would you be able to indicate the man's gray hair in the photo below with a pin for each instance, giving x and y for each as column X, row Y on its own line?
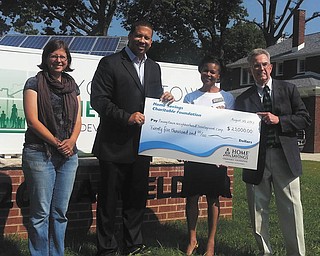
column 255, row 52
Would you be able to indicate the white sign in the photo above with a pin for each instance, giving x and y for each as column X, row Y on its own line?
column 200, row 134
column 21, row 63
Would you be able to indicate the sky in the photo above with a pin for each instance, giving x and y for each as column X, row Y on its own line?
column 254, row 11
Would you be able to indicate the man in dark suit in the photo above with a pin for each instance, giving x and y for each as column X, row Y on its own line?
column 120, row 85
column 279, row 164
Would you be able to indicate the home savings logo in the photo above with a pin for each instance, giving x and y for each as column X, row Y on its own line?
column 236, row 154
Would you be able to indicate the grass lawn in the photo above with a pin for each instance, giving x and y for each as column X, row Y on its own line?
column 234, row 236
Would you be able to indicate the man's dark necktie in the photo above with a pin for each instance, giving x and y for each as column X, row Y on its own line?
column 267, row 105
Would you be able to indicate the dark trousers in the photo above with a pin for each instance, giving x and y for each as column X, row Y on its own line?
column 130, row 181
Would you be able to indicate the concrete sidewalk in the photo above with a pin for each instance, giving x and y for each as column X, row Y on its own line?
column 310, row 156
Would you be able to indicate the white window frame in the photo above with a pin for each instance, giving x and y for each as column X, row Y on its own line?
column 278, row 72
column 249, row 78
column 299, row 66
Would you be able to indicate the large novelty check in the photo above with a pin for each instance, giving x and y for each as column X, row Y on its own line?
column 200, row 134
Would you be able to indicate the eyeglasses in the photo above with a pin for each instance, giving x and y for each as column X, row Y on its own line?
column 56, row 57
column 259, row 65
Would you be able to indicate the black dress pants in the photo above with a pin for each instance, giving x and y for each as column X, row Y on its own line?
column 130, row 182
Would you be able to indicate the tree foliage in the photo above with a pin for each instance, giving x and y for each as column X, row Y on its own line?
column 187, row 24
column 187, row 29
column 241, row 39
column 183, row 51
column 84, row 17
column 3, row 25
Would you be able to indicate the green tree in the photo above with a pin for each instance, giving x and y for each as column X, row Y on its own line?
column 187, row 29
column 19, row 16
column 184, row 52
column 79, row 17
column 197, row 23
column 241, row 39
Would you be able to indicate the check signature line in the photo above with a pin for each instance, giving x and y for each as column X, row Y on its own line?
column 225, row 138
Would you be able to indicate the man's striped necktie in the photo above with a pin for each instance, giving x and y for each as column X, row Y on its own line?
column 267, row 105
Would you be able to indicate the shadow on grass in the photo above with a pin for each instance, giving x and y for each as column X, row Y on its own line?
column 80, row 243
column 174, row 236
column 223, row 249
column 159, row 237
column 13, row 246
column 234, row 237
column 171, row 239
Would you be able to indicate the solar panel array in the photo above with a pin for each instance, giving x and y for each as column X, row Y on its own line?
column 99, row 45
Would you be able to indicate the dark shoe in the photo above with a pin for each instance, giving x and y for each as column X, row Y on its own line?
column 138, row 250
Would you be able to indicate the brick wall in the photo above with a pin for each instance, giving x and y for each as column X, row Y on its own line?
column 164, row 204
column 313, row 132
column 316, row 125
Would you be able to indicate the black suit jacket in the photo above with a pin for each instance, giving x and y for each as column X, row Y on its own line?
column 293, row 115
column 116, row 93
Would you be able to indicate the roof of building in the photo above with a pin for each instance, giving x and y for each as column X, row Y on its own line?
column 308, row 84
column 284, row 50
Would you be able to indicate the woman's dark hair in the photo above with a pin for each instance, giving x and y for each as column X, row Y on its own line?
column 208, row 59
column 49, row 48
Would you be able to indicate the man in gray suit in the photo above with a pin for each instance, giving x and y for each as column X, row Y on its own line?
column 120, row 85
column 282, row 113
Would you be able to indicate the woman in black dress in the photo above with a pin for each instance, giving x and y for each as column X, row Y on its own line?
column 200, row 178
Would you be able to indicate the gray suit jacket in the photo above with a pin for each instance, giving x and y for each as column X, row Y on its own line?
column 293, row 115
column 116, row 93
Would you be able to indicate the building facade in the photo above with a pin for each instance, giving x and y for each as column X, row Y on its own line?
column 296, row 59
